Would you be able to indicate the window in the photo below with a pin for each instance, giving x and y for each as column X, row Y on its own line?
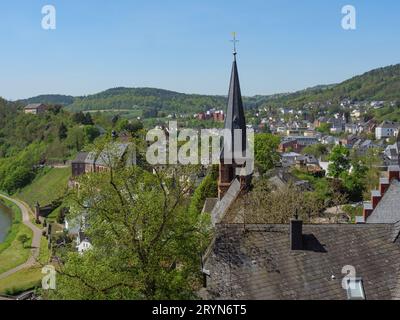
column 355, row 289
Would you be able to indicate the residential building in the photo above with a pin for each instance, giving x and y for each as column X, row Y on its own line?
column 290, row 146
column 98, row 162
column 35, row 108
column 392, row 153
column 386, row 129
column 83, row 243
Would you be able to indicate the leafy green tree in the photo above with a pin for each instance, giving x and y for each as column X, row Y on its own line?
column 340, row 161
column 88, row 119
column 78, row 118
column 354, row 182
column 265, row 151
column 317, row 150
column 146, row 243
column 76, row 138
column 91, row 133
column 208, row 188
column 324, row 128
column 23, row 238
column 62, row 131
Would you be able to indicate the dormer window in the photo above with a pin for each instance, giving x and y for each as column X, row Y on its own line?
column 355, row 289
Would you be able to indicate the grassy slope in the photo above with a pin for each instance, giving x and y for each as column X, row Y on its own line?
column 12, row 252
column 47, row 187
column 26, row 279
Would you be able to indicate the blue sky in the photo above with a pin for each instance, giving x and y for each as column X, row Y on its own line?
column 183, row 45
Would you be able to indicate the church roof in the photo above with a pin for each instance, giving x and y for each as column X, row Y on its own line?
column 235, row 118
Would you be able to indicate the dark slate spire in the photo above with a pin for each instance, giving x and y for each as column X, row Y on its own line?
column 235, row 118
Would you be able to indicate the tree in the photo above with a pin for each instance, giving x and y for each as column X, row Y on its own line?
column 62, row 131
column 267, row 205
column 88, row 119
column 91, row 133
column 355, row 182
column 23, row 238
column 76, row 138
column 265, row 151
column 340, row 161
column 317, row 150
column 207, row 189
column 146, row 244
column 78, row 117
column 324, row 128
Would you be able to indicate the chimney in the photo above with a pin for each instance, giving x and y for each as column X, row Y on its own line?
column 384, row 184
column 394, row 173
column 296, row 234
column 376, row 197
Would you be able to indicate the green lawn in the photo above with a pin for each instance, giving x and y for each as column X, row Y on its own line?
column 26, row 279
column 12, row 252
column 21, row 281
column 16, row 223
column 16, row 254
column 47, row 187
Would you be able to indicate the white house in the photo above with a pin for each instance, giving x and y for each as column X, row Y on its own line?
column 83, row 243
column 386, row 129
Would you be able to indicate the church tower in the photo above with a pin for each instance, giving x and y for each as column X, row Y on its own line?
column 235, row 119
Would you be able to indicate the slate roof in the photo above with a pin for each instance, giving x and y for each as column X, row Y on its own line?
column 110, row 153
column 106, row 157
column 222, row 206
column 209, row 205
column 255, row 262
column 388, row 125
column 81, row 157
column 388, row 210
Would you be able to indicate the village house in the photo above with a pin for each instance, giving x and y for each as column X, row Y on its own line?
column 386, row 129
column 35, row 108
column 290, row 146
column 87, row 162
column 83, row 243
column 392, row 153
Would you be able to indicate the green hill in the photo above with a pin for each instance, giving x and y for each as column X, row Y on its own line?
column 55, row 99
column 49, row 186
column 153, row 101
column 378, row 84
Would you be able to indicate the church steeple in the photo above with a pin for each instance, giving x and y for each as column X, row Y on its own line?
column 235, row 119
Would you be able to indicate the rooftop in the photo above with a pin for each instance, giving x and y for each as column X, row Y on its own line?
column 255, row 262
column 387, row 210
column 33, row 106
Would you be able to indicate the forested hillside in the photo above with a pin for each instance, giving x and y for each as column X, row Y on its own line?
column 56, row 99
column 27, row 141
column 154, row 100
column 378, row 84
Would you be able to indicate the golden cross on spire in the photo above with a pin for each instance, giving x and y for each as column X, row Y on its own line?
column 234, row 43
